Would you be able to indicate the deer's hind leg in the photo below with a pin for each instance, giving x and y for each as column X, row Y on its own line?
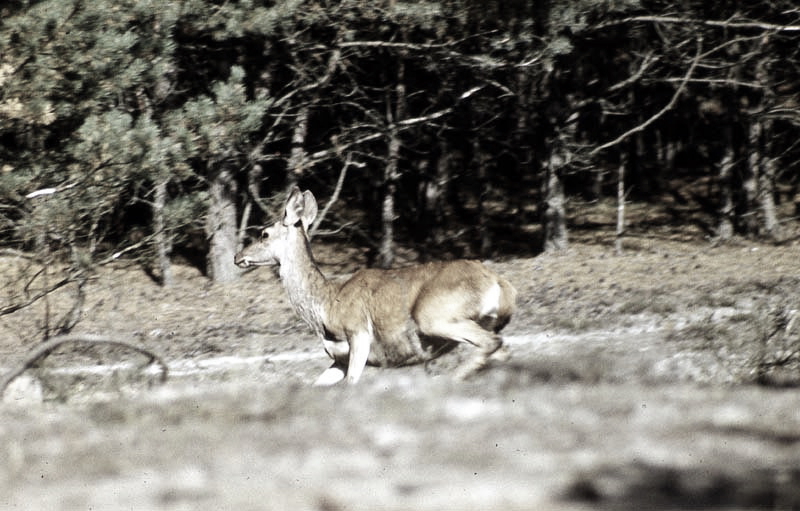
column 466, row 331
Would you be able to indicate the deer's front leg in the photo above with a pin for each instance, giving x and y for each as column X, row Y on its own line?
column 339, row 351
column 359, row 353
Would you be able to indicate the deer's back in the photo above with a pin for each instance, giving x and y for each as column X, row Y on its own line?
column 384, row 297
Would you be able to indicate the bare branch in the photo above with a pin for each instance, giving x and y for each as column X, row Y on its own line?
column 327, row 153
column 116, row 255
column 49, row 191
column 413, row 121
column 335, row 196
column 716, row 81
column 10, row 309
column 660, row 113
column 401, row 125
column 393, row 44
column 646, row 63
column 333, row 64
column 710, row 23
column 12, row 252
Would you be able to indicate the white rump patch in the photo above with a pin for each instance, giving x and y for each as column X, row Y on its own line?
column 491, row 301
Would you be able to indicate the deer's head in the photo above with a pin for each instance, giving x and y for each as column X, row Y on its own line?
column 281, row 237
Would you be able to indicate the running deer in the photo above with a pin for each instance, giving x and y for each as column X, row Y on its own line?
column 385, row 318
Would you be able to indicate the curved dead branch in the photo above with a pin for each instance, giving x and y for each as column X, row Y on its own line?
column 48, row 347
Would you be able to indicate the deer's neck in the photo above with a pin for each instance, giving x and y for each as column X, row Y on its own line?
column 306, row 286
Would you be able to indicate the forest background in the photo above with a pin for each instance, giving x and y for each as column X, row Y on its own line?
column 153, row 130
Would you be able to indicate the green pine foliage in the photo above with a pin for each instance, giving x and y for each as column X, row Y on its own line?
column 92, row 113
column 218, row 125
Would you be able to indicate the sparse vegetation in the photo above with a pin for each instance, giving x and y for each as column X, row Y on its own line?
column 595, row 386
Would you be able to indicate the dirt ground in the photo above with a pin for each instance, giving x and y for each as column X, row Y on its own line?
column 664, row 378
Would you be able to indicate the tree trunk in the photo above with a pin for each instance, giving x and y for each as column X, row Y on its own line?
column 623, row 162
column 221, row 227
column 386, row 252
column 163, row 240
column 72, row 317
column 644, row 182
column 726, row 209
column 297, row 157
column 666, row 148
column 554, row 217
column 596, row 187
column 484, row 191
column 80, row 278
column 766, row 187
column 436, row 194
column 751, row 179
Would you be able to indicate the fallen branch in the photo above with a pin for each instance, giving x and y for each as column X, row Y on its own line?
column 48, row 347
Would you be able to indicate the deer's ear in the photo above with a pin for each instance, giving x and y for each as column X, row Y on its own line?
column 300, row 207
column 294, row 207
column 309, row 209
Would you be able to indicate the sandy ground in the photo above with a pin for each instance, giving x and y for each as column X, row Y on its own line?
column 633, row 384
